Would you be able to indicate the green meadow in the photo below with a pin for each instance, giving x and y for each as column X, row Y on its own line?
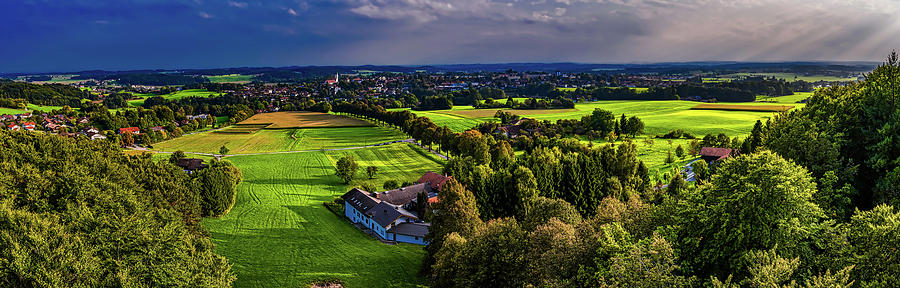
column 230, row 78
column 31, row 108
column 173, row 96
column 659, row 116
column 793, row 77
column 279, row 233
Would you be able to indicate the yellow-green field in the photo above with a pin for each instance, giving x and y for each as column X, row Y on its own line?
column 139, row 98
column 33, row 108
column 303, row 119
column 230, row 78
column 659, row 116
column 279, row 140
column 793, row 77
column 731, row 107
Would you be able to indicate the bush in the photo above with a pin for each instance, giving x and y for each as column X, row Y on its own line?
column 368, row 187
column 391, row 184
column 217, row 188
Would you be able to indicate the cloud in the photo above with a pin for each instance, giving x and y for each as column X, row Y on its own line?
column 204, row 15
column 292, row 12
column 237, row 4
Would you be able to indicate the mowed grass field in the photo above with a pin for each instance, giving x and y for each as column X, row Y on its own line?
column 279, row 140
column 793, row 77
column 173, row 96
column 303, row 119
column 659, row 116
column 230, row 78
column 734, row 107
column 31, row 108
column 280, row 235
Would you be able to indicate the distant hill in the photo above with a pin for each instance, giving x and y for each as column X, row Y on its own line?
column 308, row 72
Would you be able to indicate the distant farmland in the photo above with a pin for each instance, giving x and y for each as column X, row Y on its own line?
column 303, row 119
column 753, row 108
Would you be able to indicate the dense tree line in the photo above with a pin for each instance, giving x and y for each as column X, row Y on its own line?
column 528, row 103
column 80, row 213
column 156, row 79
column 795, row 216
column 46, row 94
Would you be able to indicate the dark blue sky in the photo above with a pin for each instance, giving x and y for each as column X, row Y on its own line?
column 71, row 35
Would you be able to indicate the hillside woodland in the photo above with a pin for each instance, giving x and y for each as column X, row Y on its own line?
column 79, row 213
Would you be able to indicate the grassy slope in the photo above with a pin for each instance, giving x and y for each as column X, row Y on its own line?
column 280, row 140
column 31, row 108
column 176, row 95
column 231, row 78
column 659, row 116
column 793, row 77
column 280, row 235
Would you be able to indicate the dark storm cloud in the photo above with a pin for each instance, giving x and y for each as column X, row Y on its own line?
column 57, row 35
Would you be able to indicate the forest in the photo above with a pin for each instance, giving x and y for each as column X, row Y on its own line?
column 80, row 213
column 812, row 202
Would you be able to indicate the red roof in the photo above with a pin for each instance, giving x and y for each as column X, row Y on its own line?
column 129, row 130
column 717, row 153
column 28, row 124
column 436, row 180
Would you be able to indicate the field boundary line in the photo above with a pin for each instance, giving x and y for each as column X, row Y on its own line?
column 281, row 152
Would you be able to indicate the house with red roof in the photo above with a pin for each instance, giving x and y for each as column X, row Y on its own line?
column 713, row 154
column 435, row 180
column 28, row 126
column 132, row 130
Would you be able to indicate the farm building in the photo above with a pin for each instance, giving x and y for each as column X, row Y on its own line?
column 712, row 154
column 392, row 214
column 190, row 164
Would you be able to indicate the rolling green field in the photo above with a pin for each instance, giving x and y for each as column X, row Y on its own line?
column 173, row 96
column 31, row 108
column 231, row 78
column 790, row 99
column 276, row 140
column 793, row 77
column 280, row 235
column 659, row 116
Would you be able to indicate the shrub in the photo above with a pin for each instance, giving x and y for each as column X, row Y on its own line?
column 391, row 184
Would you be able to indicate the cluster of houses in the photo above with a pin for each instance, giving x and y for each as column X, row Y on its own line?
column 51, row 123
column 515, row 129
column 392, row 215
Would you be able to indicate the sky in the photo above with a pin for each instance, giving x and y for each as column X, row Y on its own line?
column 75, row 35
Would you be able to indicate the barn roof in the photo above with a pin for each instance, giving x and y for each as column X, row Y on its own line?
column 411, row 229
column 436, row 180
column 359, row 199
column 403, row 195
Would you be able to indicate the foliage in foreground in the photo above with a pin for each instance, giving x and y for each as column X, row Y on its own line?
column 80, row 213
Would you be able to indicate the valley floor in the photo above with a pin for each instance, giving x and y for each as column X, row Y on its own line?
column 279, row 233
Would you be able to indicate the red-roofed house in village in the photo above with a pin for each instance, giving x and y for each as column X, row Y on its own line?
column 28, row 126
column 132, row 130
column 13, row 127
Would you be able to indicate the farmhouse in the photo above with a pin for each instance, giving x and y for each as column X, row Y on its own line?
column 392, row 214
column 190, row 164
column 712, row 154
